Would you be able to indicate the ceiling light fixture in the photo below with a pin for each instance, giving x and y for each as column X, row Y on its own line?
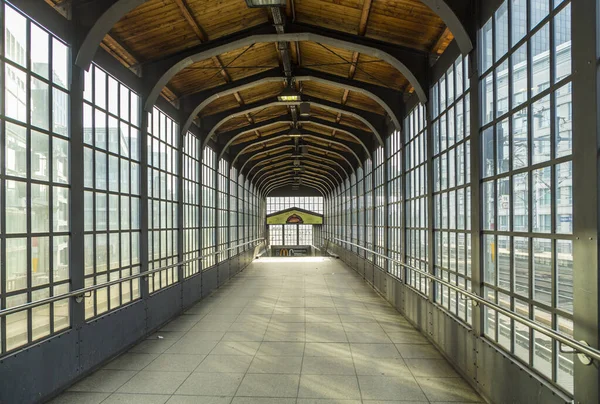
column 289, row 94
column 266, row 3
column 294, row 132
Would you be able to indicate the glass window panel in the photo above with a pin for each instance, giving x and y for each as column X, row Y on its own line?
column 542, row 200
column 541, row 138
column 501, row 35
column 40, row 162
column 15, row 94
column 562, row 43
column 564, row 198
column 16, row 264
column 60, row 161
column 16, row 150
column 40, row 111
column 540, row 56
column 60, row 63
column 15, row 36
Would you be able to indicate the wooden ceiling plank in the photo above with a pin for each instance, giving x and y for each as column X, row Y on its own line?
column 364, row 17
column 437, row 47
column 187, row 14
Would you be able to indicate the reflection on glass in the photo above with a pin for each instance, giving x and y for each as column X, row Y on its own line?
column 542, row 200
column 16, row 150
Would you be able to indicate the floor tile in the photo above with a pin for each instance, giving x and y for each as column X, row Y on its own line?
column 380, row 366
column 199, row 400
column 211, row 384
column 192, row 347
column 224, row 364
column 418, row 351
column 281, row 349
column 121, row 398
column 131, row 361
column 276, row 364
column 390, row 388
column 327, row 349
column 73, row 397
column 269, row 385
column 175, row 363
column 154, row 382
column 374, row 350
column 430, row 368
column 236, row 348
column 150, row 346
column 447, row 389
column 328, row 386
column 263, row 400
column 104, row 381
column 327, row 365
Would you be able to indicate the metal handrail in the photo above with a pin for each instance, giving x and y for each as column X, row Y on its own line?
column 83, row 291
column 576, row 345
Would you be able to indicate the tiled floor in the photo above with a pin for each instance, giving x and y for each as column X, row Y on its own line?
column 299, row 331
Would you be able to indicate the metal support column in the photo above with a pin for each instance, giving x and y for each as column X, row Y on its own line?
column 476, row 275
column 430, row 207
column 586, row 168
column 77, row 220
column 144, row 231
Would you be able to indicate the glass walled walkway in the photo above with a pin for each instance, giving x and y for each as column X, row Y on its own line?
column 294, row 330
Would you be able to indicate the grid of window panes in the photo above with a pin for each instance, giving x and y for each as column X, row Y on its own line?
column 360, row 197
column 353, row 210
column 395, row 202
column 233, row 214
column 347, row 231
column 247, row 221
column 310, row 203
column 450, row 128
column 369, row 207
column 209, row 202
column 223, row 206
column 191, row 204
column 305, row 234
column 241, row 207
column 380, row 219
column 290, row 234
column 163, row 145
column 526, row 169
column 415, row 191
column 111, row 170
column 275, row 234
column 35, row 180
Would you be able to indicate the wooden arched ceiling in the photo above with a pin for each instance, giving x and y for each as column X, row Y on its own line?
column 352, row 91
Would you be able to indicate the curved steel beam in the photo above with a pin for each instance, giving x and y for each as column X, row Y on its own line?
column 312, row 176
column 237, row 133
column 291, row 178
column 308, row 135
column 217, row 120
column 278, row 157
column 443, row 10
column 309, row 169
column 197, row 102
column 270, row 152
column 308, row 157
column 111, row 14
column 267, row 191
column 289, row 163
column 274, row 187
column 364, row 46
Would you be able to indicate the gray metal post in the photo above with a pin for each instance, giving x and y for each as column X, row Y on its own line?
column 430, row 205
column 586, row 312
column 144, row 201
column 77, row 249
column 476, row 275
